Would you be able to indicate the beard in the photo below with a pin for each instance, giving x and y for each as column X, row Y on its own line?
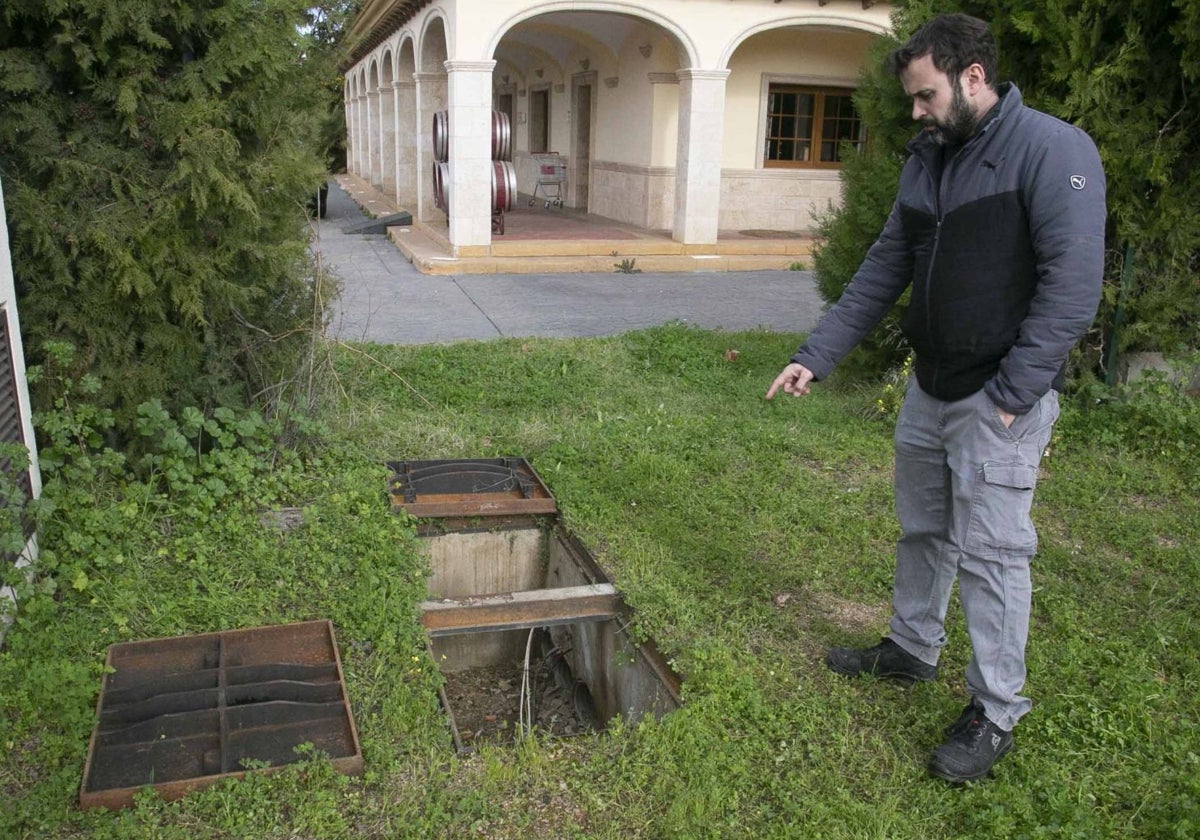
column 959, row 124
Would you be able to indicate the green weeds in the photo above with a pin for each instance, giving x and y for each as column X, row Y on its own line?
column 748, row 535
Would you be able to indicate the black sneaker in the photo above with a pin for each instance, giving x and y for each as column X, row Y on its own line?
column 973, row 744
column 886, row 659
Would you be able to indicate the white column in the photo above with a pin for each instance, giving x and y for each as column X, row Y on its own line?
column 375, row 138
column 431, row 98
column 387, row 136
column 469, row 89
column 364, row 143
column 348, row 112
column 407, row 141
column 354, row 141
column 698, row 157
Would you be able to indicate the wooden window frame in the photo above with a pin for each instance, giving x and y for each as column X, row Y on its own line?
column 820, row 92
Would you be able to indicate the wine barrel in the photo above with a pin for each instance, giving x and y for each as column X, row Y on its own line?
column 501, row 136
column 441, row 178
column 504, row 186
column 441, row 135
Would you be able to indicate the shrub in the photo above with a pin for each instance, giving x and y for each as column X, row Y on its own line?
column 156, row 158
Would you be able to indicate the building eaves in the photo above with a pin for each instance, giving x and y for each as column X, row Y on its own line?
column 376, row 23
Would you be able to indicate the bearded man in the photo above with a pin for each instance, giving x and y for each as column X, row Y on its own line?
column 998, row 228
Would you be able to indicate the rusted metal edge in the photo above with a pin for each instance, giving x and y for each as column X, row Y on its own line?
column 114, row 798
column 516, row 610
column 653, row 657
column 648, row 650
column 473, row 507
column 482, row 525
column 583, row 559
column 527, row 495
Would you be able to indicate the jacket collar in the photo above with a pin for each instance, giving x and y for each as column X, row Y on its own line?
column 1010, row 100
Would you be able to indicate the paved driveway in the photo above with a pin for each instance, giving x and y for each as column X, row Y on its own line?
column 385, row 300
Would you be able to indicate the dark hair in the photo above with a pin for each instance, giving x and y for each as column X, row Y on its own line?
column 955, row 42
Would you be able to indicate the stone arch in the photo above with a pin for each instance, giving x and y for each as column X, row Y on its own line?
column 387, row 121
column 604, row 76
column 408, row 125
column 433, row 48
column 827, row 21
column 406, row 56
column 431, row 54
column 361, row 162
column 683, row 41
column 786, row 87
column 374, row 124
column 348, row 106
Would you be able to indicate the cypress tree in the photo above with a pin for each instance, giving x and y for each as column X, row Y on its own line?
column 157, row 157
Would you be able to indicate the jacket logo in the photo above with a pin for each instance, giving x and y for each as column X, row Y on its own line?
column 1078, row 182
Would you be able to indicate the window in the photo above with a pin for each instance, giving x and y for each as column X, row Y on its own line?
column 807, row 125
column 539, row 120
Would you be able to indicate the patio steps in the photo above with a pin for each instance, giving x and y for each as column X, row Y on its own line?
column 562, row 242
column 430, row 255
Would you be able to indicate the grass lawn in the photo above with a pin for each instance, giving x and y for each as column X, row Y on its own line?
column 747, row 535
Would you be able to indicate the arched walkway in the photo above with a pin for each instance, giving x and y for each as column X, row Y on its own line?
column 661, row 112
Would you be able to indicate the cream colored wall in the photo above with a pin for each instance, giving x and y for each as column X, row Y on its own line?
column 776, row 199
column 625, row 115
column 635, row 195
column 818, row 57
column 664, row 142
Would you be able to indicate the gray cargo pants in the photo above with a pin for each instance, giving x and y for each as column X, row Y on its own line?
column 964, row 486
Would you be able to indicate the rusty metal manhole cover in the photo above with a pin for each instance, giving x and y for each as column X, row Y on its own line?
column 179, row 714
column 468, row 487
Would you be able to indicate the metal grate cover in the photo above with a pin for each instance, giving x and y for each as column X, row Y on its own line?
column 468, row 487
column 178, row 714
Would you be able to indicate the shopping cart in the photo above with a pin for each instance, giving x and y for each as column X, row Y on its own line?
column 551, row 172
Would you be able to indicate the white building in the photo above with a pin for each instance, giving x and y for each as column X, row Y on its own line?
column 690, row 116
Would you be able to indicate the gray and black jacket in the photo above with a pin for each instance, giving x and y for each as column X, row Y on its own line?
column 1003, row 245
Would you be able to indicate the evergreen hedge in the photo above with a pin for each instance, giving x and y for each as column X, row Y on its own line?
column 157, row 157
column 1125, row 73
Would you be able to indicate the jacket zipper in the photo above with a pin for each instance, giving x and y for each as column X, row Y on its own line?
column 937, row 236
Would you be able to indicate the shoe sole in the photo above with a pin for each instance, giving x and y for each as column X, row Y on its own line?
column 957, row 779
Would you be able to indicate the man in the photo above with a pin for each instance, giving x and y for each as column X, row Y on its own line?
column 998, row 226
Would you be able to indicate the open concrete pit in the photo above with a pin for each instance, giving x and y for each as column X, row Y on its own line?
column 523, row 624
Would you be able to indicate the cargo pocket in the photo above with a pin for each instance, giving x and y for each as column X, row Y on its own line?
column 1000, row 510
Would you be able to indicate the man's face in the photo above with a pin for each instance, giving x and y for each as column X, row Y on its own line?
column 940, row 104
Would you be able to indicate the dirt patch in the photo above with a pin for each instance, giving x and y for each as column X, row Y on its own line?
column 850, row 615
column 486, row 702
column 813, row 607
